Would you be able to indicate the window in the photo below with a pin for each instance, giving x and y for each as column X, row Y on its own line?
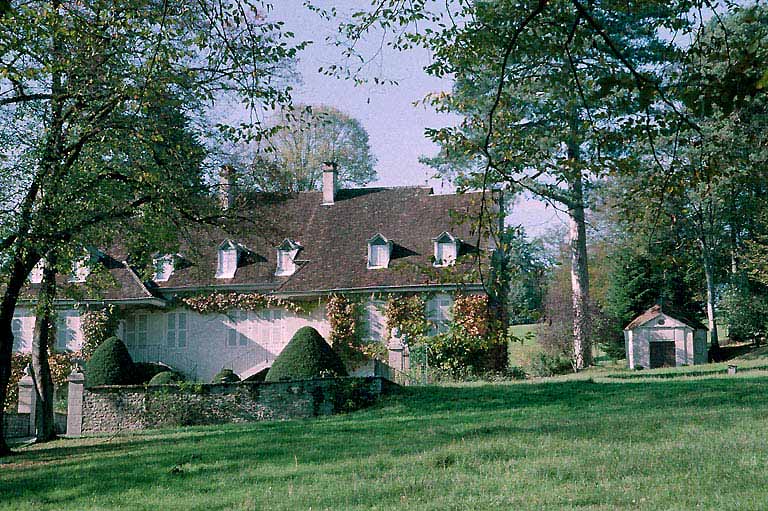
column 65, row 334
column 80, row 270
column 163, row 268
column 445, row 249
column 379, row 251
column 286, row 253
column 229, row 253
column 36, row 275
column 439, row 314
column 375, row 323
column 176, row 331
column 136, row 330
column 238, row 330
column 17, row 327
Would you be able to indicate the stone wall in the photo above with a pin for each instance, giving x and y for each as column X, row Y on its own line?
column 16, row 425
column 116, row 408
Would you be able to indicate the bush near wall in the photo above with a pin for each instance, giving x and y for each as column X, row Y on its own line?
column 110, row 364
column 307, row 355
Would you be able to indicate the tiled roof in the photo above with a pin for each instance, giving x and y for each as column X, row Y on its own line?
column 333, row 240
column 656, row 310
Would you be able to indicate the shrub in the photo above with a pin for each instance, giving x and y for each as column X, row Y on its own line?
column 110, row 364
column 545, row 364
column 226, row 376
column 166, row 377
column 306, row 356
column 143, row 372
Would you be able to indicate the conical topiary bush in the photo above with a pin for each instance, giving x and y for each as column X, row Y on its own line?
column 110, row 364
column 306, row 356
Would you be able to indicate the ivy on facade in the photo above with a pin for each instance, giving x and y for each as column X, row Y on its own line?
column 61, row 367
column 407, row 313
column 221, row 303
column 97, row 325
column 346, row 337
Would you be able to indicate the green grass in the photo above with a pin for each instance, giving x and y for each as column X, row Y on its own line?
column 569, row 443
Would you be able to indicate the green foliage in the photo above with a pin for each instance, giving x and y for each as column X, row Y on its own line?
column 545, row 364
column 165, row 377
column 226, row 376
column 407, row 314
column 745, row 311
column 303, row 141
column 110, row 364
column 143, row 372
column 97, row 325
column 306, row 356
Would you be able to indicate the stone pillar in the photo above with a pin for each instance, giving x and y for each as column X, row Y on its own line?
column 28, row 399
column 75, row 403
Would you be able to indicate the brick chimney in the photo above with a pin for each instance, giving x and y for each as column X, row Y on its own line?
column 330, row 182
column 226, row 186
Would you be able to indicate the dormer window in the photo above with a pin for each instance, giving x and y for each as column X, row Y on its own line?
column 229, row 254
column 36, row 275
column 164, row 267
column 379, row 252
column 446, row 249
column 80, row 270
column 286, row 258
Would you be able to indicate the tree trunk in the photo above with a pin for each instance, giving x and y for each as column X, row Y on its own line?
column 17, row 276
column 709, row 274
column 582, row 348
column 45, row 330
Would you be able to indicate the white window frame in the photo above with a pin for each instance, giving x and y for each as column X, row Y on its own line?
column 446, row 249
column 36, row 275
column 80, row 271
column 176, row 328
column 164, row 268
column 136, row 329
column 286, row 265
column 17, row 327
column 227, row 263
column 439, row 314
column 379, row 246
column 64, row 334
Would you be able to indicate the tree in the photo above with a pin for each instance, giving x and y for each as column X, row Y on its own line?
column 551, row 93
column 292, row 159
column 102, row 116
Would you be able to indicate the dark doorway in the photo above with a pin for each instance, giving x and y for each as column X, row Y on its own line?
column 662, row 354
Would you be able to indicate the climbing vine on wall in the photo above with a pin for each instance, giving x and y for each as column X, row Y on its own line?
column 97, row 325
column 344, row 318
column 61, row 366
column 221, row 303
column 407, row 313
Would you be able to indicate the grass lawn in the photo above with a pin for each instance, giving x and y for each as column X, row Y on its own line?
column 576, row 443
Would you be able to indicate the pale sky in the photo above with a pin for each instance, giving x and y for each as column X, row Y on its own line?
column 395, row 126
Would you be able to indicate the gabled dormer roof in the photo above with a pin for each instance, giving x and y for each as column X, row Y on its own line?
column 445, row 237
column 288, row 245
column 378, row 239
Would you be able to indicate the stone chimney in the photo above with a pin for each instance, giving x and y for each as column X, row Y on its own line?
column 226, row 186
column 330, row 182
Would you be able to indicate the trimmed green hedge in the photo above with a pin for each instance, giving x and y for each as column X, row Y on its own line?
column 226, row 376
column 165, row 378
column 306, row 356
column 110, row 364
column 143, row 372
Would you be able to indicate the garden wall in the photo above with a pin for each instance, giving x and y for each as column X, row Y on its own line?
column 116, row 408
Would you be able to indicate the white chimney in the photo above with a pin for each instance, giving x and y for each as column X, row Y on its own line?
column 330, row 182
column 226, row 186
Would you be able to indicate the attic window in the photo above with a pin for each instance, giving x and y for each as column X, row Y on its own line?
column 446, row 249
column 286, row 255
column 379, row 252
column 36, row 275
column 80, row 270
column 163, row 268
column 229, row 253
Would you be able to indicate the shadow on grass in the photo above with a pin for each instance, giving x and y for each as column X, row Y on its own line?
column 411, row 422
